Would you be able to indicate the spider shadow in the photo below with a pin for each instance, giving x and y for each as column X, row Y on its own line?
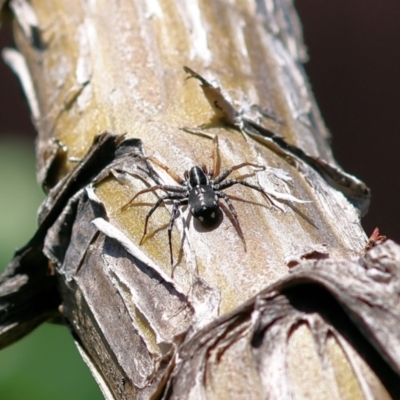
column 299, row 213
column 222, row 212
column 152, row 233
column 199, row 227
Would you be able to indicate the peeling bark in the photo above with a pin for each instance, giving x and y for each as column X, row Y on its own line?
column 308, row 309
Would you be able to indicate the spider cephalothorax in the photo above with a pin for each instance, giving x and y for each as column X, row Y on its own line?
column 203, row 199
column 201, row 190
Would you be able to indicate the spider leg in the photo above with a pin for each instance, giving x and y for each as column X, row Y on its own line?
column 166, row 188
column 154, row 208
column 214, row 171
column 232, row 210
column 227, row 172
column 232, row 182
column 168, row 170
column 174, row 215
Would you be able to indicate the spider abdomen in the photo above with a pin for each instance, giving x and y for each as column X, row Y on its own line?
column 203, row 203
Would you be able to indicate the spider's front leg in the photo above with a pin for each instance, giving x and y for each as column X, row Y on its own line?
column 168, row 170
column 165, row 188
column 228, row 171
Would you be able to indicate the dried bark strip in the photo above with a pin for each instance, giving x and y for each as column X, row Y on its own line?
column 28, row 287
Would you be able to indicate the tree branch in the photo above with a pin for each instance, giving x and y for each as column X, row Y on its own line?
column 226, row 320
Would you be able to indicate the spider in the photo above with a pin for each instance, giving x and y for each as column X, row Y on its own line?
column 200, row 189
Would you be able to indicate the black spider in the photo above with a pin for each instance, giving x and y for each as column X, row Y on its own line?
column 200, row 190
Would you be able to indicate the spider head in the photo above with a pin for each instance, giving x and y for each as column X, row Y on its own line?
column 197, row 177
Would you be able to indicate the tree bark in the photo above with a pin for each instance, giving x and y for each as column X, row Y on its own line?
column 292, row 305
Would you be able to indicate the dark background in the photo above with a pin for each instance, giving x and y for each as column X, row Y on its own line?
column 354, row 48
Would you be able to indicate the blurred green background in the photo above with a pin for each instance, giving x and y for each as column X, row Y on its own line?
column 45, row 364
